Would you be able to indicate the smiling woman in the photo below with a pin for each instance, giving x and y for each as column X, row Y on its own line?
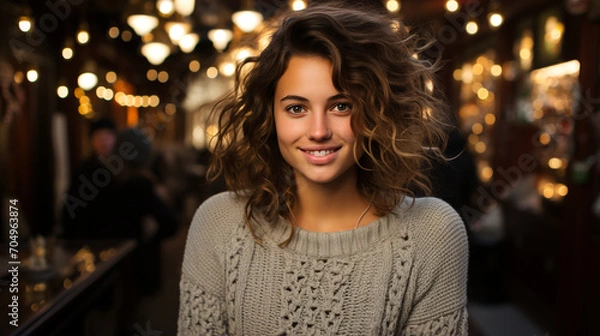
column 319, row 142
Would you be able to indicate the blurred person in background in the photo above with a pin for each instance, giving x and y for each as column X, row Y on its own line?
column 89, row 193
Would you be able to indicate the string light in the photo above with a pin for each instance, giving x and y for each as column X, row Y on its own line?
column 452, row 6
column 393, row 6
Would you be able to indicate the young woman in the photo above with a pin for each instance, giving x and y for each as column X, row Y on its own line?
column 320, row 143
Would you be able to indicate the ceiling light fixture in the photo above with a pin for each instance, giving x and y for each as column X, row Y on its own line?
column 177, row 29
column 88, row 79
column 185, row 7
column 247, row 20
column 165, row 8
column 158, row 49
column 141, row 19
column 26, row 20
column 188, row 42
column 220, row 37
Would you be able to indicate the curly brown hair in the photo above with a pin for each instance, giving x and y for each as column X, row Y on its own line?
column 376, row 62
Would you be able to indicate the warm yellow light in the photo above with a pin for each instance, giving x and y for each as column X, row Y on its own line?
column 220, row 38
column 111, row 77
column 487, row 173
column 227, row 69
column 473, row 138
column 562, row 190
column 247, row 20
column 548, row 190
column 78, row 92
column 142, row 24
column 188, row 42
column 137, row 101
column 25, row 24
column 100, row 91
column 108, row 94
column 557, row 70
column 496, row 70
column 525, row 54
column 477, row 128
column 392, row 6
column 126, row 36
column 194, row 66
column 472, row 27
column 18, row 77
column 496, row 20
column 170, row 109
column 87, row 80
column 544, row 138
column 120, row 98
column 451, row 6
column 83, row 37
column 212, row 72
column 483, row 93
column 457, row 74
column 477, row 69
column 154, row 101
column 163, row 76
column 555, row 163
column 480, row 147
column 62, row 91
column 165, row 7
column 467, row 73
column 67, row 53
column 151, row 75
column 490, row 119
column 114, row 32
column 32, row 75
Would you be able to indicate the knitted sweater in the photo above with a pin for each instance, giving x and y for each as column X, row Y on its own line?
column 403, row 274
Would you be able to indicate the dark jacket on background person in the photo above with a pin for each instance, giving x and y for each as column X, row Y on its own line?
column 127, row 206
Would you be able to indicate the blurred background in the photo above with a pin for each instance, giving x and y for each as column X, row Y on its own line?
column 521, row 77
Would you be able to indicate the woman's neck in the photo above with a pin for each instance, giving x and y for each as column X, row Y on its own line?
column 331, row 208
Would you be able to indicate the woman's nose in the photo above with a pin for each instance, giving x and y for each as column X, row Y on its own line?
column 318, row 127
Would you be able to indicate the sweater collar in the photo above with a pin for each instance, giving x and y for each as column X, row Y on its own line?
column 333, row 244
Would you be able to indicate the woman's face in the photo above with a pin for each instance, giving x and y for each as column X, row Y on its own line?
column 312, row 121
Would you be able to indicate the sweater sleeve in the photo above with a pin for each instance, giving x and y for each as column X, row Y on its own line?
column 441, row 264
column 202, row 309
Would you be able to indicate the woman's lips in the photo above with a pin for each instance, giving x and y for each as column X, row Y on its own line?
column 320, row 156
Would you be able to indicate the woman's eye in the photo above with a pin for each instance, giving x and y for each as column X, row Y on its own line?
column 295, row 109
column 342, row 107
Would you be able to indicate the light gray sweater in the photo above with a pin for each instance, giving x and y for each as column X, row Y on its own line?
column 403, row 274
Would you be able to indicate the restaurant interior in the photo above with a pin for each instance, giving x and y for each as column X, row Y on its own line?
column 520, row 77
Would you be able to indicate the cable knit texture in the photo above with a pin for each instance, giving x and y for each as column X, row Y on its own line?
column 403, row 274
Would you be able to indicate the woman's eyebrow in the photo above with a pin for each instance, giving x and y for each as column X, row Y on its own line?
column 304, row 99
column 294, row 97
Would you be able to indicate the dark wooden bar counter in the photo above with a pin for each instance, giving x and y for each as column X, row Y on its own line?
column 55, row 300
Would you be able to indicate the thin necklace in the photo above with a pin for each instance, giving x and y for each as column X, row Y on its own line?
column 362, row 215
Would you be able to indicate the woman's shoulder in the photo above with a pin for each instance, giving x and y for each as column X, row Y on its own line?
column 219, row 214
column 432, row 219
